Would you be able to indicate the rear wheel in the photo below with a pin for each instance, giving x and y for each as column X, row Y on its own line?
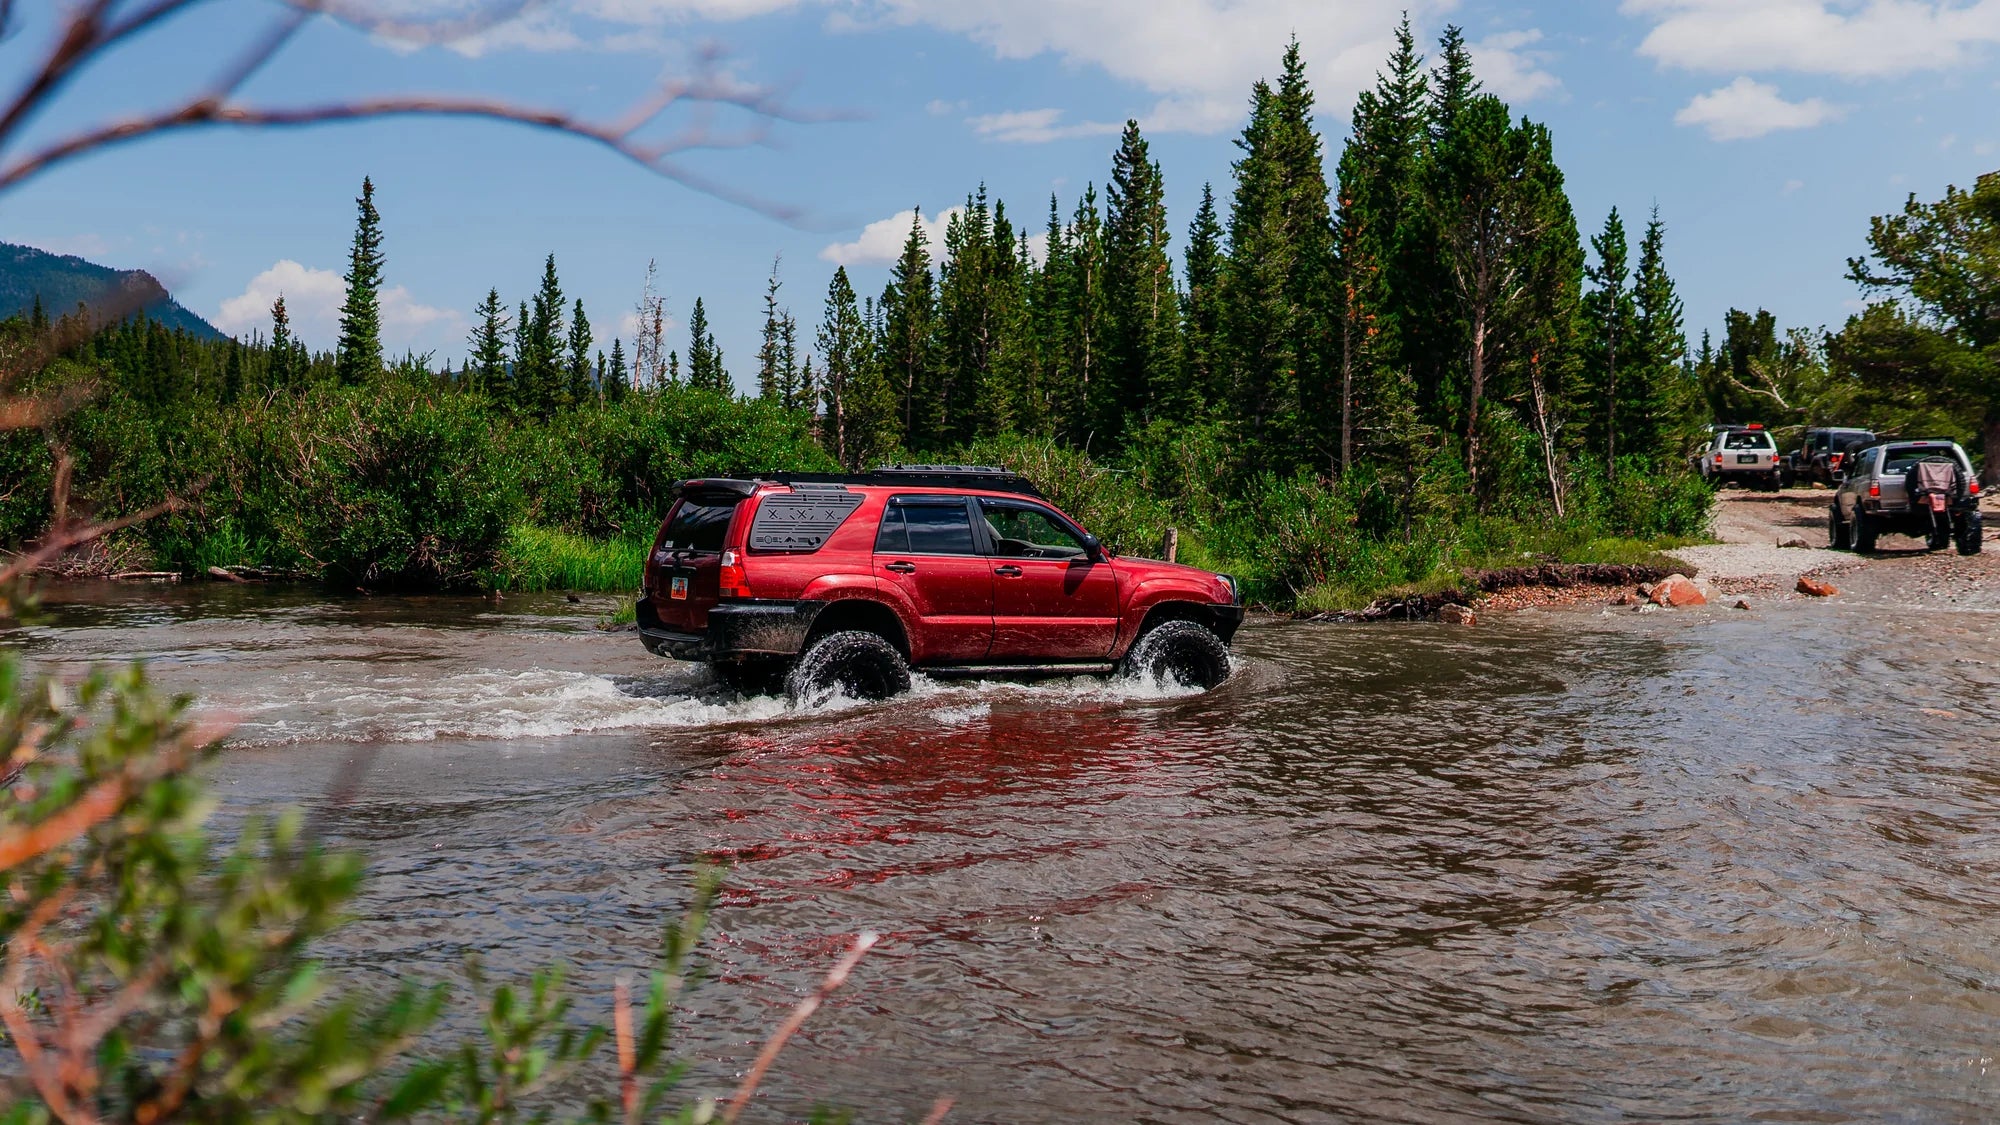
column 1836, row 531
column 1971, row 537
column 855, row 664
column 1864, row 532
column 1179, row 651
column 1940, row 537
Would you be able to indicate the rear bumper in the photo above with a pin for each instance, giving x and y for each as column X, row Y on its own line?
column 736, row 630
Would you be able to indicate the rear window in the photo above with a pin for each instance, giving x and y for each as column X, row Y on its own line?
column 1758, row 439
column 1900, row 458
column 698, row 527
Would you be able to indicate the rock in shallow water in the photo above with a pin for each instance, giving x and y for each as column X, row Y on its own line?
column 1676, row 592
column 1814, row 588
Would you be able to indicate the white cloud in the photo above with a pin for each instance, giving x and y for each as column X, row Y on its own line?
column 1843, row 38
column 881, row 241
column 312, row 303
column 1036, row 126
column 1197, row 58
column 1510, row 66
column 1745, row 109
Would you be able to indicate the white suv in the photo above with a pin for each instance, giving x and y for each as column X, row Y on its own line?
column 1747, row 456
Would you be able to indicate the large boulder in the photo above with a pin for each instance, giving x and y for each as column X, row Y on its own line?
column 1457, row 615
column 1813, row 588
column 1677, row 592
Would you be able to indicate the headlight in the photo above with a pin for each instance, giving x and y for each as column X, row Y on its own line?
column 1235, row 593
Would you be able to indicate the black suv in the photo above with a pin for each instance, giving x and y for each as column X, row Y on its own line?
column 1821, row 454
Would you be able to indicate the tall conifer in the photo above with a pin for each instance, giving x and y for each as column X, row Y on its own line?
column 1608, row 311
column 487, row 365
column 358, row 356
column 578, row 389
column 1142, row 374
column 909, row 342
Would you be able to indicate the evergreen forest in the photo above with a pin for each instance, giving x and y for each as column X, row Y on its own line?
column 1346, row 374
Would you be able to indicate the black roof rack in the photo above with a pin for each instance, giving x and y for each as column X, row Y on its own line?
column 988, row 478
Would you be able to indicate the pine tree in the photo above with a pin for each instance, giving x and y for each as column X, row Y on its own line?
column 38, row 319
column 1143, row 378
column 981, row 353
column 617, row 378
column 1201, row 306
column 1609, row 313
column 359, row 353
column 1378, row 184
column 1278, row 310
column 486, row 367
column 1455, row 86
column 541, row 375
column 705, row 367
column 909, row 344
column 285, row 367
column 1657, row 390
column 769, row 361
column 579, row 389
column 520, row 388
column 1496, row 196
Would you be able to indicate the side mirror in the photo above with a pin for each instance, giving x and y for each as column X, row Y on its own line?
column 1093, row 548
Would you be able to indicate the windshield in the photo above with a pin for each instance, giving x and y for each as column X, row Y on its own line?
column 698, row 527
column 1748, row 440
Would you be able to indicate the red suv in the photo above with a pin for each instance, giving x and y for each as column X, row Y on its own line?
column 842, row 584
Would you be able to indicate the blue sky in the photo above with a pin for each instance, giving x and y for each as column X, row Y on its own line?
column 1766, row 131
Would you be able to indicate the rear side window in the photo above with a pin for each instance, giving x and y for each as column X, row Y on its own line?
column 698, row 527
column 919, row 528
column 800, row 522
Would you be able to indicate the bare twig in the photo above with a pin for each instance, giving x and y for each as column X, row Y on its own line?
column 64, row 539
column 88, row 36
column 628, row 1066
column 835, row 977
column 939, row 1109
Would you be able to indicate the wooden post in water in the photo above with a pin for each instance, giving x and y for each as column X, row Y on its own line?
column 1172, row 547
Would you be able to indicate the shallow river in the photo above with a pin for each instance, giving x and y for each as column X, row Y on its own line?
column 1571, row 866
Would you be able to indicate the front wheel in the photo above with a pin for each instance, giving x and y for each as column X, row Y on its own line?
column 855, row 664
column 1182, row 652
column 1836, row 531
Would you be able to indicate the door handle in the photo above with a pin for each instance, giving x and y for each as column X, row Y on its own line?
column 902, row 567
column 1007, row 571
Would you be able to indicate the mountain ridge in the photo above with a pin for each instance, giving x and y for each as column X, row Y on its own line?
column 63, row 281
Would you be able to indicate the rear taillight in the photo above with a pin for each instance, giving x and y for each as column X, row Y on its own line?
column 1834, row 461
column 1874, row 490
column 1975, row 488
column 1718, row 458
column 730, row 577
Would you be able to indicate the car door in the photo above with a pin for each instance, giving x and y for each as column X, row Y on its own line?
column 926, row 550
column 1051, row 601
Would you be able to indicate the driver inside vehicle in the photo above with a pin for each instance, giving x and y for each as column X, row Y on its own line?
column 1024, row 533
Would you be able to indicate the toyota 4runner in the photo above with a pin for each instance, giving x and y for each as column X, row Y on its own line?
column 841, row 584
column 1746, row 455
column 1925, row 489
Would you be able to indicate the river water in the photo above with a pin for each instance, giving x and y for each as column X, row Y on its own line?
column 1570, row 866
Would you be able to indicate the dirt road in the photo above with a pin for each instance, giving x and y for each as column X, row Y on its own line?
column 1752, row 526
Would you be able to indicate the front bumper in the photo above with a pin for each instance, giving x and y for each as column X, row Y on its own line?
column 736, row 630
column 1224, row 620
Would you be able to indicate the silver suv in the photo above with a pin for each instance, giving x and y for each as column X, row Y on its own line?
column 1875, row 497
column 1744, row 454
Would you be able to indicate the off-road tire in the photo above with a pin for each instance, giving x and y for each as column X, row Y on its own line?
column 1836, row 531
column 1181, row 651
column 857, row 664
column 1864, row 533
column 1971, row 537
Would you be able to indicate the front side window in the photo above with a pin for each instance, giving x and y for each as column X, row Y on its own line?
column 911, row 527
column 1021, row 532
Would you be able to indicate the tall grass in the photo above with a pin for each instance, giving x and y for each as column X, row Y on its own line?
column 537, row 559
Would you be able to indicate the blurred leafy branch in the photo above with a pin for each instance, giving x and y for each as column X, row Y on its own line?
column 145, row 981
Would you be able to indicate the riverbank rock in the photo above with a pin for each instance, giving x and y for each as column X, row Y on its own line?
column 1813, row 588
column 221, row 575
column 1676, row 592
column 1796, row 545
column 1561, row 576
column 1742, row 605
column 1457, row 615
